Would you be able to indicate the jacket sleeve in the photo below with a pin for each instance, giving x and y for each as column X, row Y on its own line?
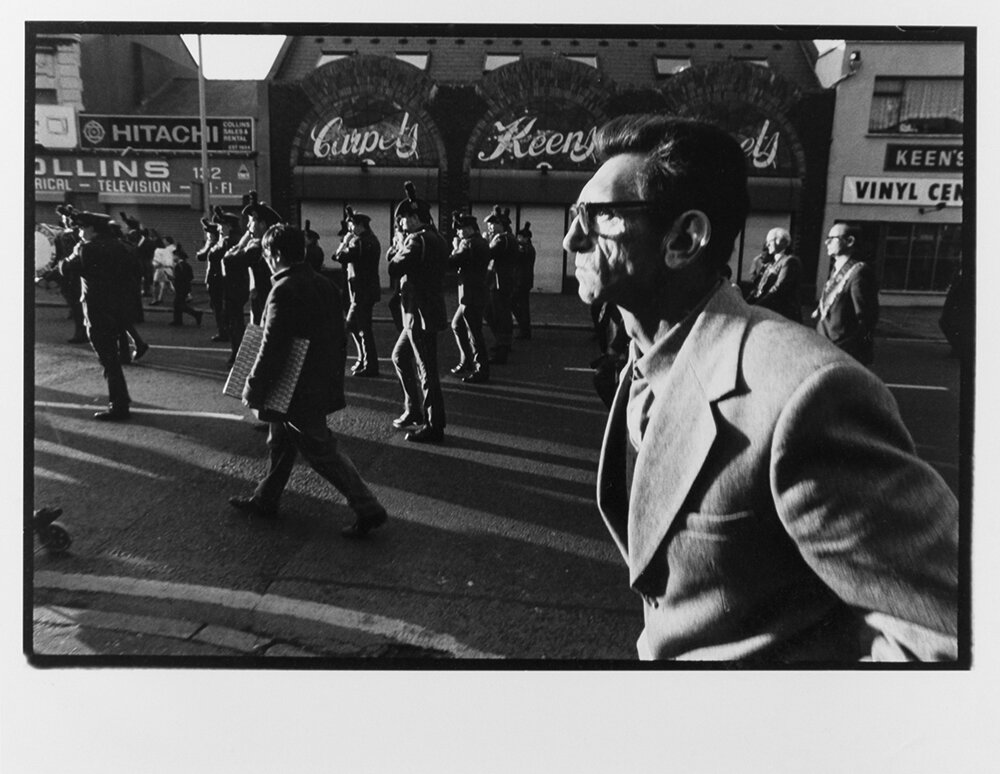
column 864, row 296
column 878, row 525
column 408, row 258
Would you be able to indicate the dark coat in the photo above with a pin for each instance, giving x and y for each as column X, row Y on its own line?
column 237, row 279
column 472, row 259
column 420, row 265
column 302, row 304
column 853, row 311
column 360, row 256
column 777, row 287
column 524, row 267
column 503, row 256
column 105, row 269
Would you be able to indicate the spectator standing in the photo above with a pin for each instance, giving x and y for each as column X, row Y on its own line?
column 777, row 284
column 848, row 307
column 215, row 282
column 759, row 483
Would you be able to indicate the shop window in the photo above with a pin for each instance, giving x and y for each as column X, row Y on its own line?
column 917, row 106
column 332, row 56
column 590, row 61
column 420, row 61
column 918, row 257
column 666, row 66
column 493, row 61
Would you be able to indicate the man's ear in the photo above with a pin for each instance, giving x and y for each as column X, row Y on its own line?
column 687, row 239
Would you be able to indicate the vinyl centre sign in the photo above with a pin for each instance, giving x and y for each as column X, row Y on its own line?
column 901, row 191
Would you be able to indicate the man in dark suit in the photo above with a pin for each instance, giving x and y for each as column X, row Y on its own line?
column 104, row 267
column 302, row 304
column 759, row 483
column 848, row 308
column 419, row 266
column 777, row 283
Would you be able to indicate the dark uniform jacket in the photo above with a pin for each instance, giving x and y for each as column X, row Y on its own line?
column 472, row 259
column 302, row 304
column 208, row 253
column 104, row 267
column 236, row 268
column 360, row 258
column 503, row 256
column 420, row 265
column 524, row 267
column 261, row 273
column 848, row 310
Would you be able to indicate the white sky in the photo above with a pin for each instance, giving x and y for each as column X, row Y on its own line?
column 249, row 57
column 235, row 57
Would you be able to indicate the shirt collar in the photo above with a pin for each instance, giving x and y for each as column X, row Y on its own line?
column 654, row 365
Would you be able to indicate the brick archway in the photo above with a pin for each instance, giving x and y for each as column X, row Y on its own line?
column 698, row 91
column 505, row 89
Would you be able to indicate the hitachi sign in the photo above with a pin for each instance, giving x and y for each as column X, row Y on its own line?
column 142, row 134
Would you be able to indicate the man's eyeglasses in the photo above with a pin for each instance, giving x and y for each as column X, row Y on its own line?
column 604, row 218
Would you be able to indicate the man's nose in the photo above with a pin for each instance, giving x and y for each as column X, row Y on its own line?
column 577, row 240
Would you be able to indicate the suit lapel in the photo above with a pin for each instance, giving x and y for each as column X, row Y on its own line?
column 612, row 492
column 682, row 428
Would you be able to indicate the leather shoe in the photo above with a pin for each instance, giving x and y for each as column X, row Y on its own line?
column 112, row 415
column 426, row 434
column 456, row 370
column 369, row 373
column 253, row 507
column 476, row 377
column 365, row 524
column 406, row 420
column 140, row 349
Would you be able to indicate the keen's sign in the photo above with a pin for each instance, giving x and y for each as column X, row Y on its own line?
column 164, row 133
column 912, row 191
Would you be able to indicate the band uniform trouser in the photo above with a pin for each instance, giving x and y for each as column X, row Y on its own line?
column 467, row 325
column 359, row 325
column 416, row 363
column 498, row 317
column 105, row 341
column 307, row 432
column 217, row 300
column 236, row 319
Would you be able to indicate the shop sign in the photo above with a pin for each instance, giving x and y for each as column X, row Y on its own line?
column 55, row 126
column 393, row 140
column 923, row 158
column 530, row 141
column 913, row 191
column 165, row 133
column 138, row 177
